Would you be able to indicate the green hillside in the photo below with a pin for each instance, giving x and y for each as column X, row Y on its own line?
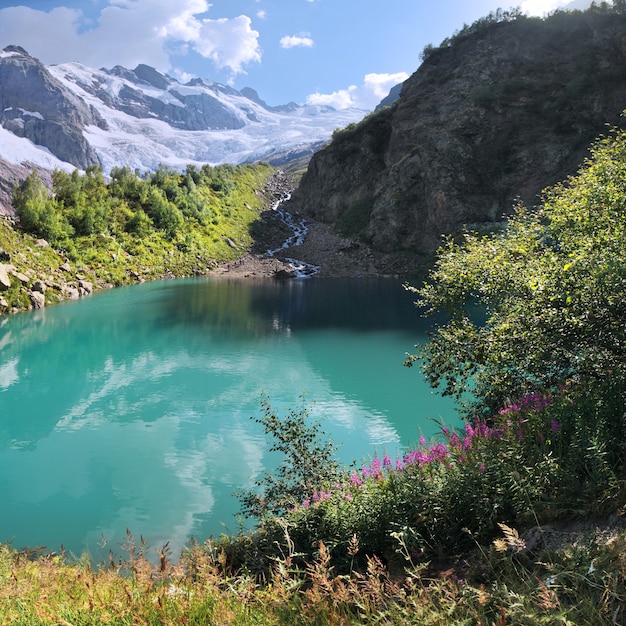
column 93, row 233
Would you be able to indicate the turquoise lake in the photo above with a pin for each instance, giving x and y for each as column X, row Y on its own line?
column 131, row 408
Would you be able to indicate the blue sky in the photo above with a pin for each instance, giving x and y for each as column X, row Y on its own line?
column 337, row 52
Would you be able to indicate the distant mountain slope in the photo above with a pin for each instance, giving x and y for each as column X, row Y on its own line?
column 142, row 118
column 499, row 111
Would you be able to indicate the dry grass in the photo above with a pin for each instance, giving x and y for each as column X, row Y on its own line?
column 580, row 583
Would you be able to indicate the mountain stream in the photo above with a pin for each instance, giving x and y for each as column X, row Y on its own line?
column 299, row 231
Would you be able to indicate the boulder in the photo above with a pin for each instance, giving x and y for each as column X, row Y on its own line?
column 21, row 277
column 70, row 292
column 85, row 287
column 39, row 286
column 5, row 281
column 38, row 299
column 284, row 274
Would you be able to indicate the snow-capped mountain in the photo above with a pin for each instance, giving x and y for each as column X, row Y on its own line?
column 71, row 116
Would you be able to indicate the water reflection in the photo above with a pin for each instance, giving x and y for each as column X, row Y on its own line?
column 132, row 408
column 8, row 373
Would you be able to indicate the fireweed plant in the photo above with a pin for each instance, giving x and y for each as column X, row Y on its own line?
column 535, row 461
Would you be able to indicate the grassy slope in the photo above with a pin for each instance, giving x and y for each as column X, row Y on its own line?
column 111, row 260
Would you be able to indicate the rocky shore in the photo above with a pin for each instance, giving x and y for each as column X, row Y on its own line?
column 334, row 255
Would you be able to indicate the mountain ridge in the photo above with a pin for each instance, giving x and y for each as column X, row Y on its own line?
column 498, row 112
column 142, row 118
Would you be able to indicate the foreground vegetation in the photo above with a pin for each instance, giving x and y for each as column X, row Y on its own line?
column 476, row 527
column 130, row 228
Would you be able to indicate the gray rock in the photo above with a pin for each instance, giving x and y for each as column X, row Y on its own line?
column 21, row 277
column 39, row 286
column 38, row 299
column 3, row 303
column 5, row 281
column 85, row 287
column 42, row 243
column 70, row 292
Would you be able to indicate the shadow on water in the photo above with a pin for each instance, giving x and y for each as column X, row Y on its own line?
column 371, row 304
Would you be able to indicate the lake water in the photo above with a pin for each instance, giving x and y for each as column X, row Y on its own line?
column 131, row 408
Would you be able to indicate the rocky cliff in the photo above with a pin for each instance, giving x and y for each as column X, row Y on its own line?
column 499, row 111
column 27, row 91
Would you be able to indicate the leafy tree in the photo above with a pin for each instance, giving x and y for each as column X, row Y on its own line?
column 164, row 213
column 37, row 211
column 140, row 224
column 542, row 303
column 84, row 200
column 127, row 185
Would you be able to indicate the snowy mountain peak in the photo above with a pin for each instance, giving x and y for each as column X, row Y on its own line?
column 142, row 118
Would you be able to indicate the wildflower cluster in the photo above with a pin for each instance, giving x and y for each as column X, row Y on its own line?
column 531, row 402
column 459, row 448
column 474, row 449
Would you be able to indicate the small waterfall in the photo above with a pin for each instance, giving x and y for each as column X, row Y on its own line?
column 299, row 230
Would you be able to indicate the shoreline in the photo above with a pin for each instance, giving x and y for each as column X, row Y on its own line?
column 334, row 255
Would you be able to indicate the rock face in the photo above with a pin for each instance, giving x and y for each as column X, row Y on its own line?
column 38, row 107
column 505, row 108
column 185, row 109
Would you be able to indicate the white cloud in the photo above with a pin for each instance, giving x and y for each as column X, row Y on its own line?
column 229, row 43
column 374, row 88
column 296, row 41
column 128, row 32
column 341, row 99
column 261, row 14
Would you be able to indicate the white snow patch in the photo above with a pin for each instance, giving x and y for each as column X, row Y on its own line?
column 20, row 150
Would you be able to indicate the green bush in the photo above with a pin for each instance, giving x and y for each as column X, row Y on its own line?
column 551, row 287
column 306, row 460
